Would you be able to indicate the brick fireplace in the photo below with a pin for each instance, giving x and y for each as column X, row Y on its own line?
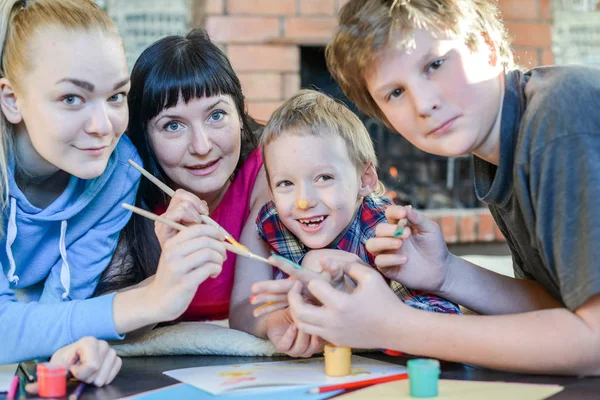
column 265, row 39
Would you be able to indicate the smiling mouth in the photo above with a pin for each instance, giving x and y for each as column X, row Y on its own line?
column 91, row 148
column 203, row 166
column 313, row 222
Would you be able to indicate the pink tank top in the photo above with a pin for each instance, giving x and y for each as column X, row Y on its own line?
column 211, row 301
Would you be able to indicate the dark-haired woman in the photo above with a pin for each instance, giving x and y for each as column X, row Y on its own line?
column 189, row 124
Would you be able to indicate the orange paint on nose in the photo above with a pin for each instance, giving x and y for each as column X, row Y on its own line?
column 302, row 204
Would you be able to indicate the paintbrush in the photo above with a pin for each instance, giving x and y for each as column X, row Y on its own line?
column 170, row 192
column 234, row 249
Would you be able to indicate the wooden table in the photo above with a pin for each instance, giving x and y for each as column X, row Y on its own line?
column 140, row 374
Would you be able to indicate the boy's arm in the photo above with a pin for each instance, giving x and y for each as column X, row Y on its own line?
column 552, row 341
column 419, row 259
column 487, row 292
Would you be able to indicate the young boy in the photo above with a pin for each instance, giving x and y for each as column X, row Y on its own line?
column 440, row 73
column 327, row 199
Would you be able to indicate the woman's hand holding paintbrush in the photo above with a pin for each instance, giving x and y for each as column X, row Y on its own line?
column 194, row 209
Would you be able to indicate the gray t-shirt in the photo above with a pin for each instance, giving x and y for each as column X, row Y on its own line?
column 545, row 191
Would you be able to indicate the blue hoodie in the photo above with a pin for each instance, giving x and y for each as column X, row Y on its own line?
column 52, row 259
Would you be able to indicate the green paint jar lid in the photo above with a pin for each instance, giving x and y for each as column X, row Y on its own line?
column 423, row 375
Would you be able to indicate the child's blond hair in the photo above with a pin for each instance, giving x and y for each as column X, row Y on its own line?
column 367, row 27
column 309, row 112
column 20, row 21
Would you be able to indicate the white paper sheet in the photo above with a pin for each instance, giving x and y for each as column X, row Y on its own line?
column 269, row 376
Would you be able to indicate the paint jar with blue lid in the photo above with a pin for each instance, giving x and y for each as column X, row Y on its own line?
column 423, row 375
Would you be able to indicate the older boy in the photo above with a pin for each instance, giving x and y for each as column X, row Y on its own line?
column 439, row 72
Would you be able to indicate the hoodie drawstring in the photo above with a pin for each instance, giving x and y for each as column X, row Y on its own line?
column 65, row 271
column 11, row 234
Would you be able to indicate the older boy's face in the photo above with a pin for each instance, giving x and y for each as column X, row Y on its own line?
column 441, row 96
column 315, row 186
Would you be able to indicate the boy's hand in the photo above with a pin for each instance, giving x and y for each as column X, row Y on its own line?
column 287, row 339
column 324, row 264
column 271, row 294
column 418, row 258
column 356, row 319
column 89, row 360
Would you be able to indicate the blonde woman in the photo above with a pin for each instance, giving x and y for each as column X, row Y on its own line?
column 63, row 95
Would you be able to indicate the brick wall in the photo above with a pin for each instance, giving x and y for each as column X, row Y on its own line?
column 262, row 39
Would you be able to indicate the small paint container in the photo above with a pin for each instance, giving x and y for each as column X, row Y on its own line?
column 52, row 380
column 424, row 375
column 337, row 360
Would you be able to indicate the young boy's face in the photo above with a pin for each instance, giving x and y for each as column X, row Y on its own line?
column 315, row 186
column 441, row 96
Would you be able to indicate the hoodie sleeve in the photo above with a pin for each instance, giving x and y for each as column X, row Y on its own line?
column 37, row 329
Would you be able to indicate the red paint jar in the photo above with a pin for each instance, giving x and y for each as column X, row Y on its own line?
column 52, row 380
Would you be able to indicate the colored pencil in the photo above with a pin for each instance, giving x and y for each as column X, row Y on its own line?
column 179, row 227
column 14, row 387
column 358, row 384
column 78, row 391
column 170, row 192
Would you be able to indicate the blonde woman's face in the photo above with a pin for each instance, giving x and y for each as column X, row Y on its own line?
column 73, row 101
column 315, row 186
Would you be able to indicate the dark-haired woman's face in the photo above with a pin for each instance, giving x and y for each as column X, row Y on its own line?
column 198, row 144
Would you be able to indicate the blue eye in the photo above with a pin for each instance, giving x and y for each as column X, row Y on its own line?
column 72, row 100
column 171, row 126
column 117, row 98
column 217, row 115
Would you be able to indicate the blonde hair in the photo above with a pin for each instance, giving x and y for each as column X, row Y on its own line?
column 309, row 112
column 20, row 22
column 367, row 27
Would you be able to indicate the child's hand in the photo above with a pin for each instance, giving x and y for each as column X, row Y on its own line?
column 287, row 339
column 322, row 264
column 89, row 360
column 271, row 294
column 185, row 208
column 357, row 319
column 418, row 258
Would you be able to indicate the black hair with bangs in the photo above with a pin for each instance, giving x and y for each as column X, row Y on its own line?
column 191, row 67
column 175, row 66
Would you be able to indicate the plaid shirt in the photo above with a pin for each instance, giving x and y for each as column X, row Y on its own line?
column 369, row 215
